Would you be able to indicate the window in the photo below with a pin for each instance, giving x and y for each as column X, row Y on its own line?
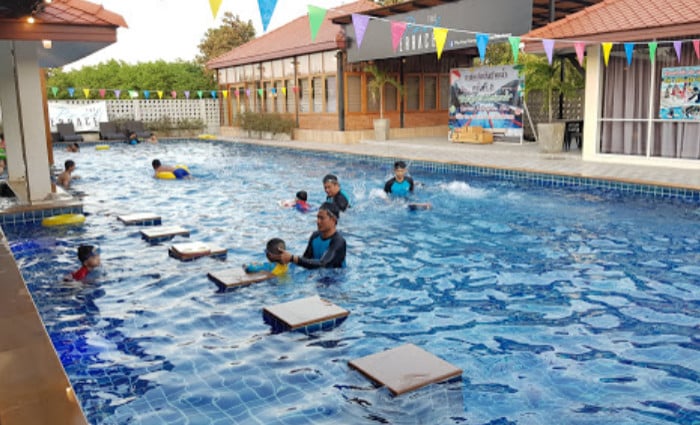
column 277, row 69
column 317, row 92
column 390, row 98
column 444, row 92
column 279, row 97
column 429, row 93
column 316, row 61
column 412, row 93
column 269, row 99
column 354, row 93
column 372, row 98
column 304, row 95
column 330, row 62
column 331, row 95
column 291, row 96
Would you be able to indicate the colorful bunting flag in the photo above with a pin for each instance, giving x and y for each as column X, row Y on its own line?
column 247, row 92
column 54, row 90
column 607, row 48
column 86, row 92
column 160, row 94
column 200, row 93
column 548, row 45
column 213, row 94
column 225, row 93
column 652, row 51
column 102, row 93
column 267, row 8
column 71, row 91
column 482, row 40
column 677, row 46
column 397, row 30
column 360, row 22
column 133, row 94
column 284, row 91
column 117, row 93
column 260, row 92
column 214, row 4
column 147, row 94
column 440, row 35
column 696, row 45
column 629, row 49
column 187, row 94
column 316, row 17
column 515, row 47
column 173, row 94
column 237, row 93
column 580, row 47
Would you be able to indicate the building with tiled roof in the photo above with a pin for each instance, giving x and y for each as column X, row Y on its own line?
column 636, row 109
column 323, row 85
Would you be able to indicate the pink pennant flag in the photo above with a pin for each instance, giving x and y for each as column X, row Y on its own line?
column 580, row 47
column 696, row 45
column 238, row 94
column 102, row 93
column 677, row 45
column 548, row 45
column 173, row 94
column 397, row 30
column 360, row 22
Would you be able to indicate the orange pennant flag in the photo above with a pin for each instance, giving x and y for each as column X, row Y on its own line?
column 215, row 4
column 440, row 35
column 607, row 47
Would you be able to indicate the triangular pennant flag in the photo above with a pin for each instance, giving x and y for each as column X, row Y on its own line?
column 397, row 30
column 173, row 94
column 607, row 48
column 284, row 91
column 133, row 94
column 652, row 50
column 696, row 45
column 247, row 92
column 213, row 94
column 439, row 35
column 629, row 49
column 580, row 47
column 187, row 94
column 515, row 47
column 260, row 92
column 273, row 91
column 316, row 17
column 548, row 45
column 160, row 94
column 267, row 8
column 215, row 4
column 54, row 90
column 482, row 40
column 295, row 89
column 86, row 92
column 360, row 22
column 117, row 93
column 71, row 91
column 200, row 93
column 147, row 94
column 237, row 93
column 102, row 93
column 225, row 93
column 677, row 45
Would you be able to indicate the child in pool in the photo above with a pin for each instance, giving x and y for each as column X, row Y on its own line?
column 274, row 246
column 89, row 260
column 299, row 203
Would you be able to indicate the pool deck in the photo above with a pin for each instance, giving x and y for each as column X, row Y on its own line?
column 511, row 156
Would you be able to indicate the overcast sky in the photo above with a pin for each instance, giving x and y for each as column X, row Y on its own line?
column 172, row 29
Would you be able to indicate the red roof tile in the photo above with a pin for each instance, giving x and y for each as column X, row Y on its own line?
column 626, row 20
column 78, row 12
column 291, row 39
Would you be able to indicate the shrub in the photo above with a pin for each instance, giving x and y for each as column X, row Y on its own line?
column 271, row 123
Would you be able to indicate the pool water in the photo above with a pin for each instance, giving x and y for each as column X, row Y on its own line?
column 560, row 305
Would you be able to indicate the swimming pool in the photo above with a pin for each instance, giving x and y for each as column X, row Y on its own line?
column 560, row 305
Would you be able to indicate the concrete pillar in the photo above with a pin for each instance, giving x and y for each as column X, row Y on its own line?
column 23, row 120
column 593, row 102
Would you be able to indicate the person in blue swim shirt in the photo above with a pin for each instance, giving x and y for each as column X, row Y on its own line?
column 335, row 195
column 178, row 172
column 400, row 184
column 326, row 248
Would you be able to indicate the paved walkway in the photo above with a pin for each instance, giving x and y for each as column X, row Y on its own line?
column 512, row 156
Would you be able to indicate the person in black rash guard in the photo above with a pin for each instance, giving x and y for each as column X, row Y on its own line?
column 326, row 248
column 335, row 194
column 400, row 184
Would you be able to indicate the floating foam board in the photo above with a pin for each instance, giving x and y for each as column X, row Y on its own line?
column 405, row 368
column 163, row 233
column 419, row 206
column 306, row 315
column 193, row 250
column 143, row 219
column 235, row 278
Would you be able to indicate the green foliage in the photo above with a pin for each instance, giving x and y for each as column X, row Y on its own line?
column 272, row 123
column 546, row 78
column 497, row 54
column 232, row 33
column 119, row 75
column 166, row 124
column 376, row 85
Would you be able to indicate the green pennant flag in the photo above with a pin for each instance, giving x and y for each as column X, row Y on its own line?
column 54, row 90
column 260, row 92
column 316, row 17
column 652, row 50
column 199, row 93
column 515, row 46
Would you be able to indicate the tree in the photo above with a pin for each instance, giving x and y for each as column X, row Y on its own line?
column 376, row 85
column 232, row 33
column 541, row 76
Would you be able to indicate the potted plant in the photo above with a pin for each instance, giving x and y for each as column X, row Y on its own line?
column 542, row 77
column 376, row 88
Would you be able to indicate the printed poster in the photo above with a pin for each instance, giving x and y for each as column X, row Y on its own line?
column 490, row 97
column 84, row 116
column 680, row 93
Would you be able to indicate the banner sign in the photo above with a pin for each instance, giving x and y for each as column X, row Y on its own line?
column 680, row 93
column 489, row 97
column 85, row 117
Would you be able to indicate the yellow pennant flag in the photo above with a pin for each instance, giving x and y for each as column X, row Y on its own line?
column 225, row 93
column 607, row 47
column 160, row 94
column 440, row 35
column 86, row 92
column 284, row 91
column 215, row 4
